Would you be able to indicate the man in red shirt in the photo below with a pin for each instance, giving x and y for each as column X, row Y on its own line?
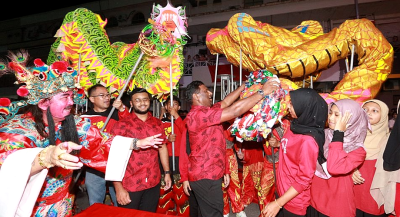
column 140, row 187
column 207, row 158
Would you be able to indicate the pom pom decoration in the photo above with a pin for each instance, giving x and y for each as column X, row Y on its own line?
column 59, row 67
column 4, row 102
column 22, row 91
column 38, row 62
column 257, row 123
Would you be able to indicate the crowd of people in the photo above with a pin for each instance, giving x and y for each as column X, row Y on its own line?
column 339, row 159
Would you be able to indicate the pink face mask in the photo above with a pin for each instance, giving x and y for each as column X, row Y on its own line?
column 61, row 105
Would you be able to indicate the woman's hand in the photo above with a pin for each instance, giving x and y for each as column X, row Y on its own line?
column 357, row 178
column 341, row 124
column 271, row 210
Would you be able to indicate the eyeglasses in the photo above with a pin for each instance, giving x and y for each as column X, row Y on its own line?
column 145, row 100
column 103, row 96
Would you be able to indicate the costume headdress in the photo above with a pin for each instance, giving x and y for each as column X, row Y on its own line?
column 39, row 82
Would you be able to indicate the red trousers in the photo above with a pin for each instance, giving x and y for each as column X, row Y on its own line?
column 267, row 192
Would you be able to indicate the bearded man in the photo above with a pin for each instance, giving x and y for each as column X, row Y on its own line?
column 140, row 187
column 40, row 148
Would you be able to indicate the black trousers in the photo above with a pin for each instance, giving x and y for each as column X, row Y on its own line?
column 360, row 213
column 312, row 212
column 194, row 210
column 284, row 213
column 208, row 194
column 146, row 200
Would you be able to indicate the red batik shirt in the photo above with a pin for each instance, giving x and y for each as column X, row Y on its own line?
column 143, row 170
column 207, row 143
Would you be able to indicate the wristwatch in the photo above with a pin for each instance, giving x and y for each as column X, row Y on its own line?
column 134, row 144
column 167, row 172
column 261, row 92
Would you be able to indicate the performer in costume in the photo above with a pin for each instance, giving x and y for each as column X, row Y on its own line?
column 174, row 195
column 268, row 182
column 39, row 148
column 232, row 192
column 251, row 154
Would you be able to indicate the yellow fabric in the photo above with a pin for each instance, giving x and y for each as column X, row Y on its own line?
column 306, row 50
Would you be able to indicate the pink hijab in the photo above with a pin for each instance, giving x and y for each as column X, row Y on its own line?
column 355, row 134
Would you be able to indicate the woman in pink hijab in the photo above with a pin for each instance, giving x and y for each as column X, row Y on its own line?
column 332, row 186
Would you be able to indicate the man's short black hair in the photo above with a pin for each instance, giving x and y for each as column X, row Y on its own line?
column 93, row 88
column 193, row 87
column 139, row 90
column 167, row 101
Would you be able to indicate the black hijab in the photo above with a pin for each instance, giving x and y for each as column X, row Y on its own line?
column 312, row 113
column 391, row 155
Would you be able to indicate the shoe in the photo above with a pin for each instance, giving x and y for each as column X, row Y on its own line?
column 241, row 214
column 226, row 215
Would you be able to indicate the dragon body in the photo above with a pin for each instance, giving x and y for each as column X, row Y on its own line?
column 83, row 41
column 306, row 51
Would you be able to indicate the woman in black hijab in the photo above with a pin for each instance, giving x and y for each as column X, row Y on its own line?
column 391, row 159
column 312, row 113
column 299, row 152
column 391, row 155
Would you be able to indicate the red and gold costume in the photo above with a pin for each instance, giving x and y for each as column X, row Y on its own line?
column 174, row 201
column 232, row 193
column 20, row 133
column 252, row 169
column 268, row 186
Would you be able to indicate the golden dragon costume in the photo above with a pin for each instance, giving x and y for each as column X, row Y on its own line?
column 306, row 50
